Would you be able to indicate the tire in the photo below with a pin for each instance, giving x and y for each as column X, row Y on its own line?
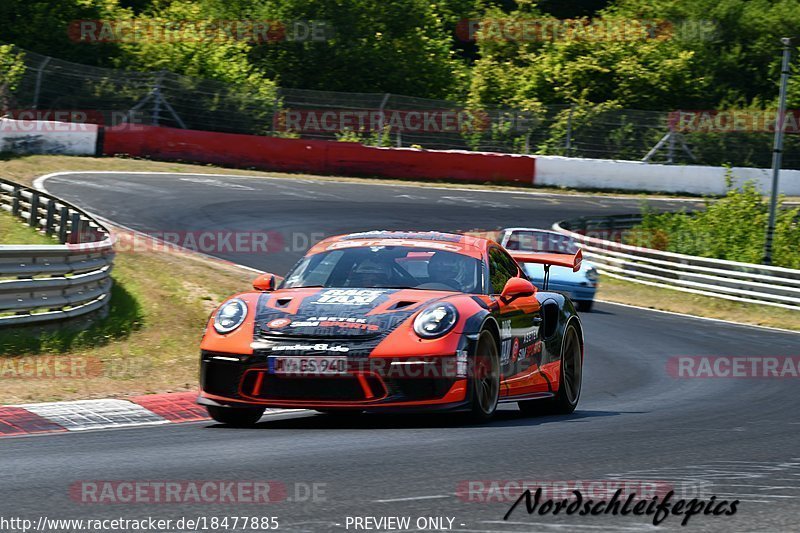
column 569, row 390
column 485, row 378
column 584, row 306
column 236, row 416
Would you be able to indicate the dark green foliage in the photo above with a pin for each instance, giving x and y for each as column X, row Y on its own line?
column 687, row 54
column 731, row 228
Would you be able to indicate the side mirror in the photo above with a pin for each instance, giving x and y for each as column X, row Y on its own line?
column 516, row 288
column 265, row 282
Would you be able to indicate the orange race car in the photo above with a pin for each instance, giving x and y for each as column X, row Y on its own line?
column 382, row 321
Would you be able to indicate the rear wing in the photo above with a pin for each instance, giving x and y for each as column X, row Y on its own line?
column 548, row 260
column 562, row 260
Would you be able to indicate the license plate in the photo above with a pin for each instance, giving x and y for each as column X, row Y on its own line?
column 309, row 366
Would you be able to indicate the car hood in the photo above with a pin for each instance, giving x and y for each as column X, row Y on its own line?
column 291, row 314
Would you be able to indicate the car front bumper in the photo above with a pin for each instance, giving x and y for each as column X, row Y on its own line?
column 386, row 383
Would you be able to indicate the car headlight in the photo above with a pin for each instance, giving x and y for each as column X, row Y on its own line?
column 592, row 275
column 230, row 316
column 435, row 321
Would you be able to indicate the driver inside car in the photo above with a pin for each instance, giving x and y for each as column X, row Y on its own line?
column 370, row 273
column 447, row 269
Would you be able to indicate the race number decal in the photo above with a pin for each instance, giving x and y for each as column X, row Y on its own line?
column 349, row 297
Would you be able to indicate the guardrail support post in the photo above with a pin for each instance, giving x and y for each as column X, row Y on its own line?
column 62, row 225
column 83, row 231
column 75, row 227
column 33, row 216
column 50, row 217
column 15, row 196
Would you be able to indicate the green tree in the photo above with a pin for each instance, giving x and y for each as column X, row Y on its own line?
column 735, row 44
column 12, row 67
column 593, row 63
column 188, row 49
column 43, row 26
column 360, row 45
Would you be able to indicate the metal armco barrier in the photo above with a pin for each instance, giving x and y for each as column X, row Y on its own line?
column 41, row 283
column 600, row 238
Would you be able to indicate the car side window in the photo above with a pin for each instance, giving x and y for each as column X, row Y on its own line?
column 501, row 268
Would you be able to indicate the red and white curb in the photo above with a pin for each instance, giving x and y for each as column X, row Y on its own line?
column 84, row 415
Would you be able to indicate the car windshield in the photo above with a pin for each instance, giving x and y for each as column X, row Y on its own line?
column 388, row 267
column 541, row 241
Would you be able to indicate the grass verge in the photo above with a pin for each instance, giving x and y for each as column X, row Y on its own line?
column 626, row 292
column 148, row 342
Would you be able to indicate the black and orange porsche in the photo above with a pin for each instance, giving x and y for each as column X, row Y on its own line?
column 385, row 321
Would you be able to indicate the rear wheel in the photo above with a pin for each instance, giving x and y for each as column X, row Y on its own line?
column 584, row 305
column 236, row 416
column 569, row 390
column 485, row 379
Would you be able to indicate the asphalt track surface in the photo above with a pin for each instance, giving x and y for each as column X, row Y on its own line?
column 733, row 438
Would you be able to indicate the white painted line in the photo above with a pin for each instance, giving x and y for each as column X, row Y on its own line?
column 761, row 487
column 84, row 415
column 771, row 496
column 164, row 243
column 217, row 183
column 700, row 317
column 168, row 245
column 472, row 530
column 643, row 527
column 76, row 416
column 414, row 498
column 471, row 201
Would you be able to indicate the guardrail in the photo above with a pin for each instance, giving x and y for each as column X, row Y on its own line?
column 41, row 283
column 601, row 240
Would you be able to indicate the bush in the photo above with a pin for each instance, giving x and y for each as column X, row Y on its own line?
column 12, row 67
column 731, row 228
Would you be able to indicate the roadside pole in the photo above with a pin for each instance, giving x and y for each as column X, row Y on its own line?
column 777, row 150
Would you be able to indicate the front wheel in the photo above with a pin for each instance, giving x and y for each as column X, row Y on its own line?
column 569, row 390
column 485, row 379
column 235, row 416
